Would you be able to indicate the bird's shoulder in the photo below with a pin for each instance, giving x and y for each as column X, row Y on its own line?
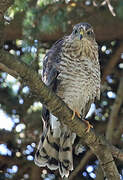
column 51, row 62
column 53, row 52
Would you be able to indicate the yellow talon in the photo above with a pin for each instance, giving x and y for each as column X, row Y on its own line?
column 75, row 113
column 89, row 126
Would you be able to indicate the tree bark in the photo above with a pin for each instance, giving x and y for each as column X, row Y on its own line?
column 58, row 108
column 101, row 19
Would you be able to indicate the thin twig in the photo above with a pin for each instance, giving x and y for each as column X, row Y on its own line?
column 119, row 131
column 82, row 164
column 111, row 9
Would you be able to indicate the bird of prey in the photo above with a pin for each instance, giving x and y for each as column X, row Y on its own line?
column 71, row 69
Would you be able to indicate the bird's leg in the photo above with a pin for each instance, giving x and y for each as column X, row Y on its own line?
column 87, row 122
column 88, row 126
column 76, row 113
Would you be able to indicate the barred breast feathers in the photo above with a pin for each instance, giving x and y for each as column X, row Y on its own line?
column 80, row 73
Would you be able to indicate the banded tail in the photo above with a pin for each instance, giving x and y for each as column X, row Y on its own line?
column 55, row 148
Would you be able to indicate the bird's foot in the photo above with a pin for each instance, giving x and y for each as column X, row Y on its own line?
column 89, row 126
column 76, row 113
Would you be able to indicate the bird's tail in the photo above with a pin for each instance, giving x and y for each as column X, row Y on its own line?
column 56, row 152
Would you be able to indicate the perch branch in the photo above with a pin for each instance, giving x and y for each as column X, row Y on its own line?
column 58, row 108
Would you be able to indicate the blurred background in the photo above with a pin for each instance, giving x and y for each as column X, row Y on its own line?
column 31, row 27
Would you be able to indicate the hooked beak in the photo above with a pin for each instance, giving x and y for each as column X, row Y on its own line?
column 81, row 34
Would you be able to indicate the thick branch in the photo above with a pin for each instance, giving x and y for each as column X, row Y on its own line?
column 102, row 20
column 57, row 107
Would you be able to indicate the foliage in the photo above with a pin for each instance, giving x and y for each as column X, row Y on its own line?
column 120, row 9
column 20, row 123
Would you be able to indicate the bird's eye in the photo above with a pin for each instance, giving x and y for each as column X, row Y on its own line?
column 75, row 31
column 89, row 33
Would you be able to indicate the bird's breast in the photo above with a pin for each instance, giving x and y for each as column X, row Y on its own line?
column 79, row 81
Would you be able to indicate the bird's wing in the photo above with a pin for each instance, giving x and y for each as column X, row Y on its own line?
column 51, row 71
column 55, row 146
column 50, row 65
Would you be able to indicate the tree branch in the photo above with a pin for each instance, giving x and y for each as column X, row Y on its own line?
column 114, row 112
column 118, row 132
column 80, row 13
column 9, row 71
column 113, row 61
column 111, row 9
column 58, row 108
column 112, row 123
column 81, row 165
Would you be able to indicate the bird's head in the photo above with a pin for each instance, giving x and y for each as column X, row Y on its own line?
column 82, row 31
